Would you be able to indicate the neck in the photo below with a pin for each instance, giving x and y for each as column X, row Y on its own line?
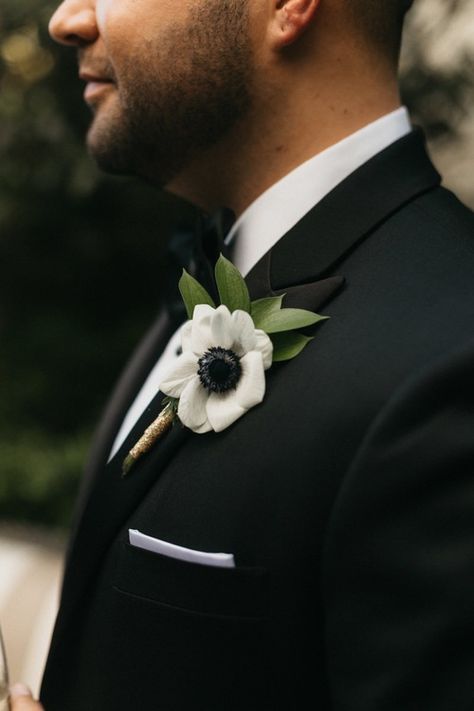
column 283, row 129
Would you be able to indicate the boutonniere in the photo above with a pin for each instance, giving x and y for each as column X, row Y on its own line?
column 226, row 349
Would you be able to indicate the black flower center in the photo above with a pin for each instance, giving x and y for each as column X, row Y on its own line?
column 219, row 369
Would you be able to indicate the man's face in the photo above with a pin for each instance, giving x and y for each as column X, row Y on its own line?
column 166, row 79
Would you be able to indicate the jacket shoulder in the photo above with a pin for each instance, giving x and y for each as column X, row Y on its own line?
column 442, row 208
column 439, row 212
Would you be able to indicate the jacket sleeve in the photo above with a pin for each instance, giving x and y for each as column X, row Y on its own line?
column 398, row 570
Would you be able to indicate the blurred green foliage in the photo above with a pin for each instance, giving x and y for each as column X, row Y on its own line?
column 82, row 261
column 82, row 269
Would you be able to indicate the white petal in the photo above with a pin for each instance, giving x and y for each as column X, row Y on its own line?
column 201, row 335
column 265, row 346
column 223, row 410
column 251, row 387
column 221, row 327
column 179, row 375
column 186, row 331
column 202, row 311
column 202, row 429
column 192, row 406
column 243, row 331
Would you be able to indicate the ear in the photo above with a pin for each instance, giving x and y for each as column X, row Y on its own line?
column 290, row 19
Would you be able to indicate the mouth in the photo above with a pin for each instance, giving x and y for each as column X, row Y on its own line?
column 95, row 85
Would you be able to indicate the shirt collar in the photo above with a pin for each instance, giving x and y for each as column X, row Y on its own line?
column 280, row 207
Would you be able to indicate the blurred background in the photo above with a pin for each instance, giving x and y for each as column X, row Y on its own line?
column 81, row 260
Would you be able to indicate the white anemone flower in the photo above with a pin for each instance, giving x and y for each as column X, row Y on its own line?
column 220, row 374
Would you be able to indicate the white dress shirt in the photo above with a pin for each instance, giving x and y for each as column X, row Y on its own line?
column 273, row 214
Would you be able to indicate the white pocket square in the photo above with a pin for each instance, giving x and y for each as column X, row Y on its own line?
column 155, row 545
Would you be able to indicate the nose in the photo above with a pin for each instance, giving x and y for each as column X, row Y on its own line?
column 74, row 23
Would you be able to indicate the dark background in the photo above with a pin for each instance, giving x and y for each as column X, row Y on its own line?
column 82, row 255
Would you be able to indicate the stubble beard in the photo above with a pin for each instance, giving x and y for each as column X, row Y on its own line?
column 181, row 97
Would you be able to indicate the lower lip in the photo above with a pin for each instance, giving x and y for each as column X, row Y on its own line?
column 95, row 88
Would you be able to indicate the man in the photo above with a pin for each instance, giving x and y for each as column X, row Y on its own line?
column 347, row 497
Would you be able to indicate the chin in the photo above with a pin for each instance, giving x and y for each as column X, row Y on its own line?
column 108, row 161
column 105, row 146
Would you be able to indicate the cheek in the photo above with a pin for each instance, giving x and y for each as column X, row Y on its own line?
column 131, row 30
column 103, row 10
column 119, row 23
column 135, row 20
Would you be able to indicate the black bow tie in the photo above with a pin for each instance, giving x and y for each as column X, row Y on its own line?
column 198, row 251
column 210, row 233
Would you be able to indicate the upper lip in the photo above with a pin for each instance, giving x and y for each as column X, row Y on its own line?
column 86, row 75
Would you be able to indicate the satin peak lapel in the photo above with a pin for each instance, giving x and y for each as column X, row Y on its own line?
column 303, row 262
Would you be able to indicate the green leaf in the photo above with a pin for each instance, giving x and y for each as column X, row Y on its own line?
column 193, row 293
column 263, row 308
column 232, row 288
column 171, row 402
column 288, row 345
column 289, row 319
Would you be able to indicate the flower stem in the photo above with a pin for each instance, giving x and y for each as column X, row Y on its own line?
column 152, row 434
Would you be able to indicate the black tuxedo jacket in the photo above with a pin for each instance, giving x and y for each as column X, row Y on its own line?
column 346, row 497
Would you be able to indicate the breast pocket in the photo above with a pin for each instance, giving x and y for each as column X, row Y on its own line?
column 194, row 588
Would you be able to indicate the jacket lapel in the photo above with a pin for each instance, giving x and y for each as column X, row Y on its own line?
column 299, row 265
column 111, row 500
column 308, row 296
column 132, row 378
column 301, row 262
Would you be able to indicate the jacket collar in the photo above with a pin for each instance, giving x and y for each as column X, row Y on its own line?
column 317, row 245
